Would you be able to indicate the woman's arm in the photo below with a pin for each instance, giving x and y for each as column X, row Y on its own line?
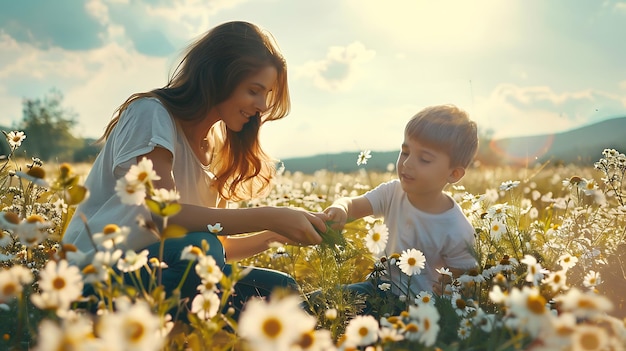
column 238, row 247
column 295, row 224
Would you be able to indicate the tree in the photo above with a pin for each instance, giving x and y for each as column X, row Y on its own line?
column 47, row 125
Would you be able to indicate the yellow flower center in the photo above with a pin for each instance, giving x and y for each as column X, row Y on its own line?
column 363, row 331
column 34, row 219
column 411, row 261
column 412, row 328
column 58, row 283
column 9, row 289
column 36, row 172
column 89, row 269
column 135, row 330
column 272, row 327
column 376, row 237
column 12, row 217
column 110, row 229
column 306, row 340
column 460, row 304
column 589, row 341
column 65, row 169
column 536, row 304
column 586, row 304
column 142, row 176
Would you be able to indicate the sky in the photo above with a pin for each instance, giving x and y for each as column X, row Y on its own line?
column 358, row 69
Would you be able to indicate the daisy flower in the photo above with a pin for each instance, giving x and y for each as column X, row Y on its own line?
column 362, row 331
column 589, row 338
column 205, row 305
column 509, row 184
column 130, row 193
column 60, row 284
column 444, row 271
column 567, row 261
column 556, row 280
column 165, row 196
column 132, row 326
column 411, row 262
column 463, row 332
column 314, row 340
column 6, row 239
column 132, row 261
column 15, row 139
column 215, row 229
column 384, row 286
column 592, row 279
column 191, row 253
column 274, row 325
column 35, row 175
column 363, row 157
column 32, row 230
column 428, row 322
column 530, row 309
column 588, row 186
column 74, row 333
column 484, row 321
column 535, row 272
column 376, row 238
column 459, row 304
column 331, row 314
column 12, row 281
column 389, row 335
column 498, row 212
column 208, row 269
column 584, row 304
column 497, row 228
column 111, row 235
column 142, row 172
column 424, row 298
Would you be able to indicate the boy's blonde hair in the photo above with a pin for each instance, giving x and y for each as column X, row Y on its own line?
column 447, row 128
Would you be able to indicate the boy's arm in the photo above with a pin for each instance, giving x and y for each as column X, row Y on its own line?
column 348, row 209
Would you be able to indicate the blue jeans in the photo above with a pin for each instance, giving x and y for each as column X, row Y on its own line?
column 258, row 282
column 385, row 302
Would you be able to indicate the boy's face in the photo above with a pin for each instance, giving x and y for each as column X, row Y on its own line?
column 424, row 170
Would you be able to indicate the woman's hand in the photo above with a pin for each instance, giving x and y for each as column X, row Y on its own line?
column 297, row 225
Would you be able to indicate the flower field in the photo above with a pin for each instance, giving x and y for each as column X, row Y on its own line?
column 549, row 242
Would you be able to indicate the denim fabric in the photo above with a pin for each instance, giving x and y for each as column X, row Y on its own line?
column 367, row 290
column 258, row 282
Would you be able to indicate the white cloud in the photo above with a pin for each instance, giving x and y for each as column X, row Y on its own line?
column 339, row 70
column 513, row 110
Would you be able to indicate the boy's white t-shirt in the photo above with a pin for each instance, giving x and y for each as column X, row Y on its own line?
column 144, row 125
column 446, row 239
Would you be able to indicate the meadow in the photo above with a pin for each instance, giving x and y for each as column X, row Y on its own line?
column 549, row 243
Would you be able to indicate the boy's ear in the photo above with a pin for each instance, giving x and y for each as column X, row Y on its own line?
column 456, row 174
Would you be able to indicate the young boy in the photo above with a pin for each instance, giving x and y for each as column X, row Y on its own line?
column 439, row 143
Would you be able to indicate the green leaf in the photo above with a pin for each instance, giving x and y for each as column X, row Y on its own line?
column 332, row 237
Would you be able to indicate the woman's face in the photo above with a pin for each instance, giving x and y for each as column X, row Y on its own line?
column 248, row 98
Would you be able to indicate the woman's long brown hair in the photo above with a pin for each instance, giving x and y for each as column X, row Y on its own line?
column 209, row 72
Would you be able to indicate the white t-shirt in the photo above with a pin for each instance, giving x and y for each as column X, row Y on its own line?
column 446, row 239
column 144, row 125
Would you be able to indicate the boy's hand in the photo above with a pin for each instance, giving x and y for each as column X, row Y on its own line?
column 337, row 215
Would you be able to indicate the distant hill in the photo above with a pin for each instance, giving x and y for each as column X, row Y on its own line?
column 582, row 146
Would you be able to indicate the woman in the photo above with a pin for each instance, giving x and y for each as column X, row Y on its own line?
column 201, row 132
